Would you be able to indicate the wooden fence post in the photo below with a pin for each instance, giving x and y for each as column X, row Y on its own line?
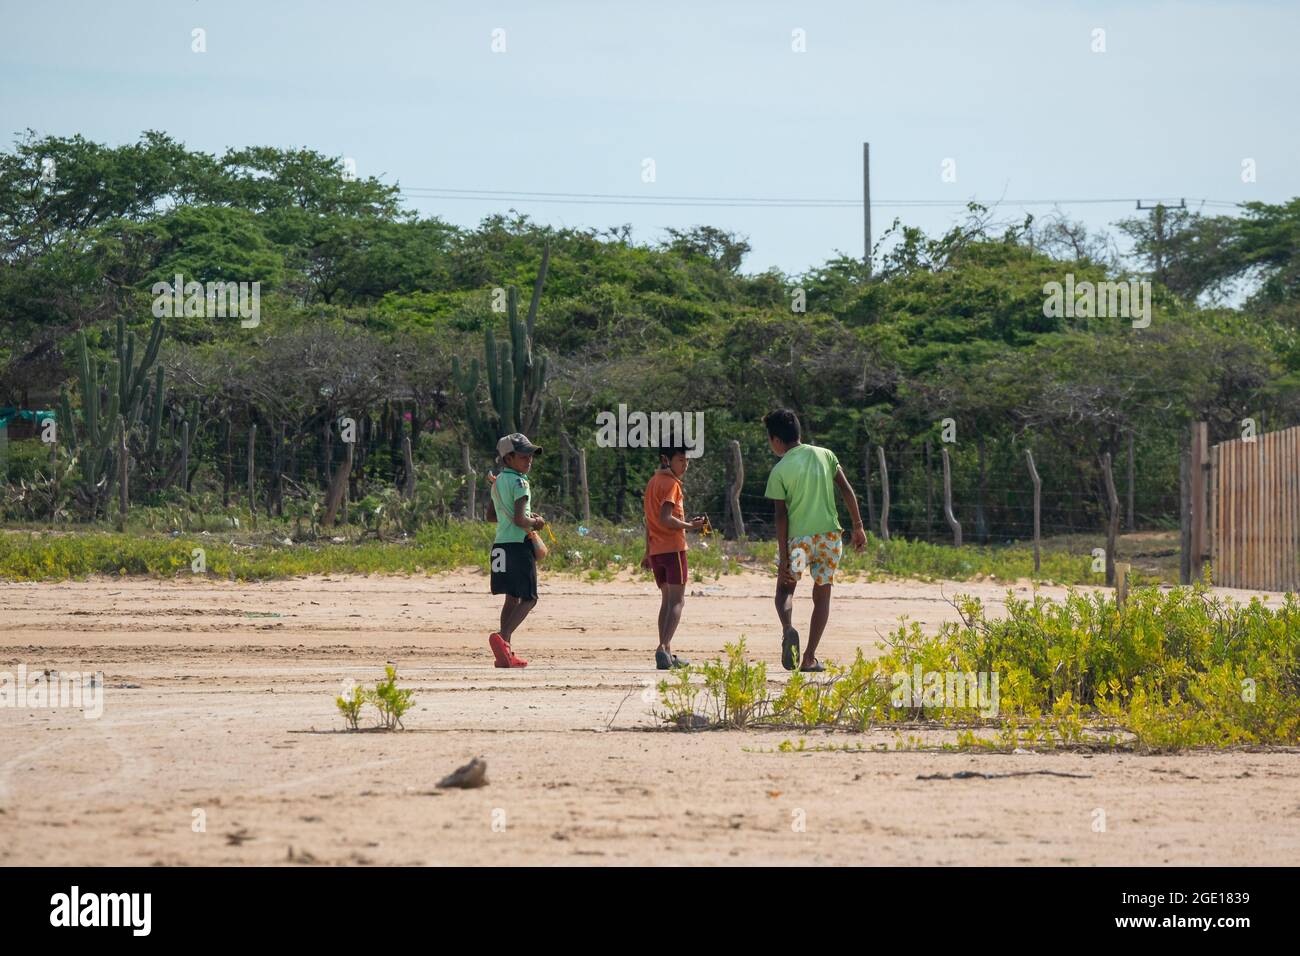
column 1038, row 501
column 866, row 478
column 123, row 477
column 566, row 472
column 225, row 475
column 1216, row 516
column 1112, row 522
column 252, row 468
column 275, row 499
column 947, row 501
column 471, row 509
column 582, row 485
column 738, row 481
column 1185, row 517
column 185, row 456
column 408, row 466
column 1132, row 472
column 338, row 487
column 929, row 492
column 884, row 493
column 1198, row 466
column 1121, row 583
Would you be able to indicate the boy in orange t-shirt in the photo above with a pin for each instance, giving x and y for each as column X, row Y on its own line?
column 665, row 547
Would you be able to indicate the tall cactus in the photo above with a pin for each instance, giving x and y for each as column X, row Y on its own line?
column 155, row 413
column 126, row 387
column 516, row 382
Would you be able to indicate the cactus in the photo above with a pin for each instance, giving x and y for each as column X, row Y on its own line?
column 126, row 388
column 155, row 413
column 516, row 382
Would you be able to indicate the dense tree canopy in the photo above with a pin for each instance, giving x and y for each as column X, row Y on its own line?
column 363, row 306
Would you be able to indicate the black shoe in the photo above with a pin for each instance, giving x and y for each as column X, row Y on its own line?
column 680, row 661
column 817, row 667
column 662, row 661
column 790, row 650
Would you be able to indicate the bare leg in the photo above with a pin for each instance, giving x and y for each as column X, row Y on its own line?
column 519, row 612
column 507, row 613
column 785, row 606
column 820, row 615
column 670, row 614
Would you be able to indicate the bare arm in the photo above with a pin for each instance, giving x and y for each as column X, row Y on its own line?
column 851, row 501
column 782, row 535
column 667, row 517
column 523, row 521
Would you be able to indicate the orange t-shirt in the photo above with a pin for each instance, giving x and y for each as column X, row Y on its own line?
column 664, row 486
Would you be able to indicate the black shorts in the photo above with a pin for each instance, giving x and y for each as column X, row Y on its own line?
column 514, row 569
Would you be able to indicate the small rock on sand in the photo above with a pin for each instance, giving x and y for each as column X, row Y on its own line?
column 473, row 774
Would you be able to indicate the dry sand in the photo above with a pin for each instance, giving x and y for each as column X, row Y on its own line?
column 219, row 711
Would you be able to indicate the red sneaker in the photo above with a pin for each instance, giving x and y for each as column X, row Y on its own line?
column 516, row 661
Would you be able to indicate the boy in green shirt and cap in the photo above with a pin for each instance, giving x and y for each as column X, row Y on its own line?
column 808, row 530
column 513, row 563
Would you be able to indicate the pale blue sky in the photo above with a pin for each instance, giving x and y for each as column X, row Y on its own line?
column 710, row 90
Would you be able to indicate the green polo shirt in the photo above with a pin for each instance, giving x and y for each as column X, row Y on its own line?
column 509, row 487
column 804, row 479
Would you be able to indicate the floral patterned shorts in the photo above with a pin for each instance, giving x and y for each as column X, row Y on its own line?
column 818, row 554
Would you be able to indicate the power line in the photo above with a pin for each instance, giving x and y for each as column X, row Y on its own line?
column 632, row 199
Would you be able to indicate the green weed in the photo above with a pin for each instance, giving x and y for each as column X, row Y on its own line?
column 389, row 700
column 350, row 706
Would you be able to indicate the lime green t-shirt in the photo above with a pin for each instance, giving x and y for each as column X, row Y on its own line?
column 804, row 479
column 509, row 487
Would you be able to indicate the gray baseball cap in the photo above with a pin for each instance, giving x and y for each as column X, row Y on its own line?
column 517, row 442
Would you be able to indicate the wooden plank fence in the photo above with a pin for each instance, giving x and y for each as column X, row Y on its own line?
column 1253, row 511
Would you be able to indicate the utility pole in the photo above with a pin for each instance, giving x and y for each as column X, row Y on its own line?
column 866, row 205
column 1158, row 225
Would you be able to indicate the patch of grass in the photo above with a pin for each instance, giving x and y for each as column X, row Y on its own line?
column 241, row 546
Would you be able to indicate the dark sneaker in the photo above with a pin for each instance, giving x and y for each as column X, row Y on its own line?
column 662, row 661
column 816, row 668
column 680, row 661
column 790, row 650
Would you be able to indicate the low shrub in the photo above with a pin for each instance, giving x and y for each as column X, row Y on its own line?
column 1173, row 669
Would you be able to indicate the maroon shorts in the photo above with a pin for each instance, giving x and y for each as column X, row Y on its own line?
column 669, row 568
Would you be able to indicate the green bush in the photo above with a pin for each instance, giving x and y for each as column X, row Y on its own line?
column 1177, row 668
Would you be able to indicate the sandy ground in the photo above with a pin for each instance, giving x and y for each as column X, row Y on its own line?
column 219, row 741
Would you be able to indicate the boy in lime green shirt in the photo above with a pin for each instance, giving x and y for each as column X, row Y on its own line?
column 512, row 560
column 808, row 530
